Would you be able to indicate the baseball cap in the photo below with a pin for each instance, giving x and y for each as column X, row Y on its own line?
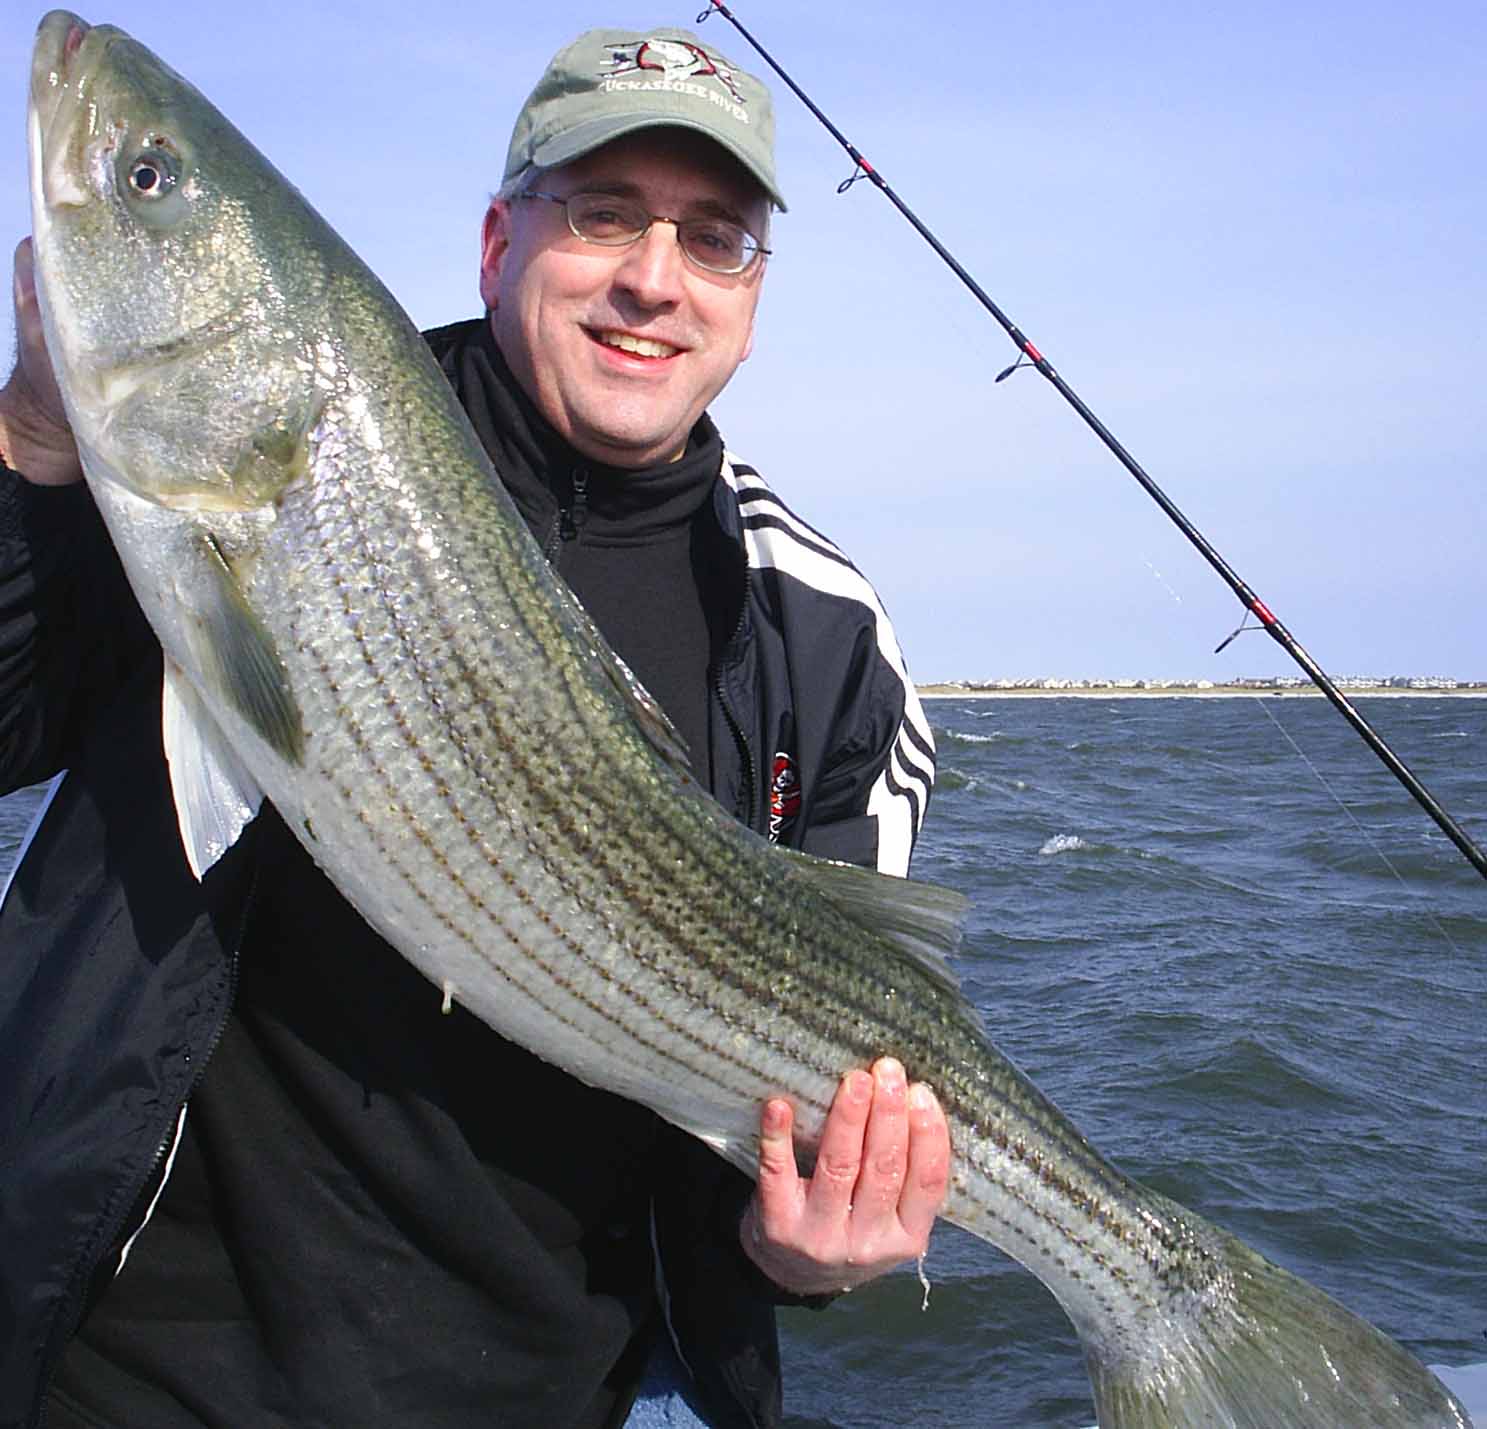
column 608, row 83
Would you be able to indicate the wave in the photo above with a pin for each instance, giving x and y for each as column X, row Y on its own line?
column 961, row 737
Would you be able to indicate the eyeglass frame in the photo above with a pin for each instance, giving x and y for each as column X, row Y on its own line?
column 758, row 250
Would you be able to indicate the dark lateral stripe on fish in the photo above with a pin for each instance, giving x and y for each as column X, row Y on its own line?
column 730, row 972
column 701, row 1069
column 826, row 1025
column 509, row 880
column 711, row 1055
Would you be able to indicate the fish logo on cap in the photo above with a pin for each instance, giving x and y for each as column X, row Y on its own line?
column 676, row 59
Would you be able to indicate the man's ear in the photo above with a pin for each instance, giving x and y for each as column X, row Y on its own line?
column 495, row 241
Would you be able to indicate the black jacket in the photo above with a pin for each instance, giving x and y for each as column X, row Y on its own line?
column 117, row 970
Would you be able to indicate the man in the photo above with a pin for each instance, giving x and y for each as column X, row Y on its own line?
column 253, row 1176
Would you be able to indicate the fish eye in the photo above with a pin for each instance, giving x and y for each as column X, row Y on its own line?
column 153, row 173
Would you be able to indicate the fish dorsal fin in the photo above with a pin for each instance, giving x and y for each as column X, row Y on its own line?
column 215, row 796
column 923, row 919
column 236, row 656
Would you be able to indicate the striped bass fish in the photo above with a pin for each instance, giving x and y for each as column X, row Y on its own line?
column 357, row 626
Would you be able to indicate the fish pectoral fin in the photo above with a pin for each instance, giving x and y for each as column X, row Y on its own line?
column 660, row 733
column 923, row 919
column 739, row 1151
column 236, row 655
column 649, row 717
column 215, row 796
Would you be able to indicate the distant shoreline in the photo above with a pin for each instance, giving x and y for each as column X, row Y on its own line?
column 1231, row 692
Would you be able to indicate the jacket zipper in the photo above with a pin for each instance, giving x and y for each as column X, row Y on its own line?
column 569, row 523
column 743, row 810
column 578, row 509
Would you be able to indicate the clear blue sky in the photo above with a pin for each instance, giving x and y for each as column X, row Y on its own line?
column 1252, row 237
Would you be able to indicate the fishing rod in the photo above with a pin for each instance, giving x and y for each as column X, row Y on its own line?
column 1029, row 355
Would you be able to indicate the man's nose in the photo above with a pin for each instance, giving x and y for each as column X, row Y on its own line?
column 653, row 265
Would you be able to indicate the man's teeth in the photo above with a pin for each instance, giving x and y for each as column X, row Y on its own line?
column 640, row 346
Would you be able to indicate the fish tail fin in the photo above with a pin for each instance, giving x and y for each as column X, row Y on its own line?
column 1268, row 1351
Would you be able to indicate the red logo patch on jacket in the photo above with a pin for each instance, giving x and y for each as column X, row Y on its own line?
column 784, row 795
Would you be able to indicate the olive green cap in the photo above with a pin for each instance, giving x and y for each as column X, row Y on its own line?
column 608, row 83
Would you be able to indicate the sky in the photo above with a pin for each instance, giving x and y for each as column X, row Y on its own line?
column 1252, row 238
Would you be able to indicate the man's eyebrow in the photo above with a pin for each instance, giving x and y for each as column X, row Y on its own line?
column 619, row 188
column 716, row 208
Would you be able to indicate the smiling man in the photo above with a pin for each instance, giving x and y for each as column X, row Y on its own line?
column 622, row 333
column 483, row 1235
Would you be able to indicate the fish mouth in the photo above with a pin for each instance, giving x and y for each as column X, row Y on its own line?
column 63, row 63
column 59, row 37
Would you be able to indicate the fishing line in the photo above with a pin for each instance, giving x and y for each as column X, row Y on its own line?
column 1159, row 576
column 1415, row 898
column 1030, row 356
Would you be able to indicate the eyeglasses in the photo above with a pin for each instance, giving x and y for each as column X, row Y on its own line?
column 716, row 244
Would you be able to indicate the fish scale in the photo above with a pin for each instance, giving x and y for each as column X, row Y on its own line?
column 357, row 625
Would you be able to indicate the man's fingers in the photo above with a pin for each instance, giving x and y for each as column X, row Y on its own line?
column 35, row 438
column 885, row 1157
column 779, row 1179
column 777, row 1141
column 25, row 274
column 882, row 1168
column 839, row 1157
column 35, row 362
column 27, row 309
column 927, row 1177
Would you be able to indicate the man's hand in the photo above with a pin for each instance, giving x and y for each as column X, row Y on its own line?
column 35, row 438
column 881, row 1176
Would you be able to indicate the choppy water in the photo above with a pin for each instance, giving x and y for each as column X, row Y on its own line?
column 1185, row 941
column 1181, row 936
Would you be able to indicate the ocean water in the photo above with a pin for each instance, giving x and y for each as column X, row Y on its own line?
column 1181, row 934
column 1230, row 947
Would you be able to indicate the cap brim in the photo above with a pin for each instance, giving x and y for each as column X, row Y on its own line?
column 593, row 134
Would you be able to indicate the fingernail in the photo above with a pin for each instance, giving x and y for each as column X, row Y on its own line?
column 889, row 1072
column 921, row 1098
